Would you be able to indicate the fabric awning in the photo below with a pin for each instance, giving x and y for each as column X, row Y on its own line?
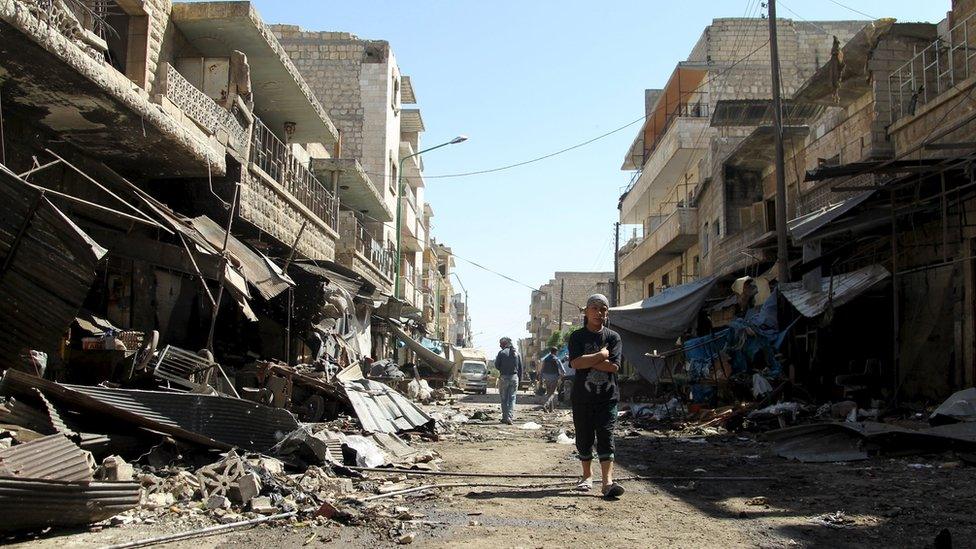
column 656, row 322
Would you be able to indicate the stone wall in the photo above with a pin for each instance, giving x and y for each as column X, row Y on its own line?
column 265, row 207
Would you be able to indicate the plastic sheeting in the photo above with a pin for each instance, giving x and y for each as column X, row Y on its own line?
column 656, row 322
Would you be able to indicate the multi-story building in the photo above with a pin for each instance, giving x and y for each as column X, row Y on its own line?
column 557, row 304
column 461, row 329
column 360, row 82
column 680, row 206
column 141, row 96
column 879, row 207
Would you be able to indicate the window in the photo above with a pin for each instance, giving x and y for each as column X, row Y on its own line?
column 665, row 281
column 395, row 99
column 696, row 266
column 650, row 290
column 679, row 275
column 393, row 177
column 718, row 229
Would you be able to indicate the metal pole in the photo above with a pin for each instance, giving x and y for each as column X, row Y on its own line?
column 336, row 152
column 615, row 297
column 562, row 286
column 223, row 267
column 895, row 308
column 782, row 259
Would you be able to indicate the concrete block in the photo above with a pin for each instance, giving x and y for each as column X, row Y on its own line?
column 114, row 468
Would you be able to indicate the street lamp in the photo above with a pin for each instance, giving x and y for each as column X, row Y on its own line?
column 399, row 212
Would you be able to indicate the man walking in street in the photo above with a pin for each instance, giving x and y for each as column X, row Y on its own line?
column 509, row 366
column 594, row 353
column 549, row 374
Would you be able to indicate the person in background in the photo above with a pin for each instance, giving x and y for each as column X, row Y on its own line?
column 594, row 352
column 549, row 373
column 509, row 366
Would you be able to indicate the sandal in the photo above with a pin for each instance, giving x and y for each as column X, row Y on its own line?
column 613, row 490
column 584, row 485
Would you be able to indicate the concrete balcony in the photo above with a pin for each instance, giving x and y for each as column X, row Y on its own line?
column 410, row 226
column 671, row 236
column 359, row 250
column 356, row 189
column 282, row 98
column 684, row 141
column 53, row 73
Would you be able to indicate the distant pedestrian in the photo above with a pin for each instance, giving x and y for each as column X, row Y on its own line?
column 594, row 353
column 566, row 377
column 509, row 366
column 549, row 373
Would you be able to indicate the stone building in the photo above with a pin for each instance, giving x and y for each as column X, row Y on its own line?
column 883, row 198
column 545, row 308
column 679, row 206
column 361, row 83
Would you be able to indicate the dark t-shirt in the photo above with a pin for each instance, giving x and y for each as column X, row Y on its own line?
column 589, row 385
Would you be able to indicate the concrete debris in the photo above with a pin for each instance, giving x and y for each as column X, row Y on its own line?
column 217, row 502
column 115, row 468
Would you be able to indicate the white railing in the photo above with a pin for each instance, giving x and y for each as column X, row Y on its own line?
column 933, row 70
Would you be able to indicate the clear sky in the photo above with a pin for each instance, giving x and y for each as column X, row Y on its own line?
column 523, row 78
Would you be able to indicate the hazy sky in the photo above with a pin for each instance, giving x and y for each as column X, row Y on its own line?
column 526, row 78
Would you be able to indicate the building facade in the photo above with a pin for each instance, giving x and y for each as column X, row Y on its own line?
column 557, row 306
column 679, row 208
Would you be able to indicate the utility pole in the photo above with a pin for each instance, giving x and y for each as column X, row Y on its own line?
column 562, row 286
column 616, row 265
column 782, row 259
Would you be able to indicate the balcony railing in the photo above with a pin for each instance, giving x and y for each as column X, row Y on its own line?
column 939, row 66
column 275, row 159
column 204, row 110
column 381, row 258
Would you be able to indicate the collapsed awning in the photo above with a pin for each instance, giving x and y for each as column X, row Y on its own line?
column 432, row 359
column 835, row 290
column 657, row 321
column 47, row 266
column 265, row 276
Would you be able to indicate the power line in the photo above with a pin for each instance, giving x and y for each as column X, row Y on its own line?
column 852, row 9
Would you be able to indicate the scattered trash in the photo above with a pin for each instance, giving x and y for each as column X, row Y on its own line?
column 530, row 426
column 563, row 438
column 757, row 501
column 837, row 519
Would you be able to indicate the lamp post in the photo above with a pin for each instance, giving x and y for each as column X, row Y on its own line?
column 399, row 211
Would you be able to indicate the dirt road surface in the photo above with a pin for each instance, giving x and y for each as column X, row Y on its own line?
column 902, row 502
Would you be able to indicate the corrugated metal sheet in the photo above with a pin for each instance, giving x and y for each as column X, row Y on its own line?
column 34, row 504
column 214, row 421
column 381, row 409
column 268, row 280
column 16, row 412
column 807, row 225
column 53, row 457
column 835, row 291
column 47, row 266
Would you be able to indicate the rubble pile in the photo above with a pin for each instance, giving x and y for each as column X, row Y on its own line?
column 197, row 451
